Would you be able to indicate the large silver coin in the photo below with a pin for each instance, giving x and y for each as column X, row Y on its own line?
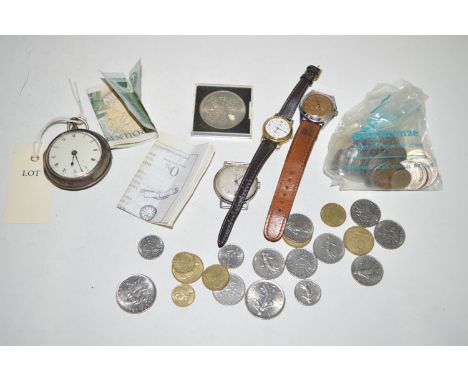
column 232, row 293
column 299, row 228
column 136, row 293
column 265, row 299
column 366, row 270
column 231, row 256
column 268, row 263
column 222, row 109
column 365, row 213
column 389, row 234
column 307, row 292
column 301, row 263
column 329, row 248
column 151, row 247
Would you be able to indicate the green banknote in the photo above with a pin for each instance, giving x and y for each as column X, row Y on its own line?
column 118, row 108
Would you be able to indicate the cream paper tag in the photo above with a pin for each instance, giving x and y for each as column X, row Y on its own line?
column 29, row 192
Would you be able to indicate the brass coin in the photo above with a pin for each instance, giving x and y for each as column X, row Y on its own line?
column 391, row 179
column 358, row 240
column 333, row 214
column 216, row 277
column 183, row 295
column 191, row 276
column 401, row 178
column 382, row 178
column 183, row 262
column 295, row 244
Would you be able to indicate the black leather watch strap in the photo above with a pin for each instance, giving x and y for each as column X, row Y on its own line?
column 290, row 106
column 263, row 152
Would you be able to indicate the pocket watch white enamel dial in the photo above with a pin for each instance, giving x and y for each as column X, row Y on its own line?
column 277, row 129
column 77, row 158
column 227, row 181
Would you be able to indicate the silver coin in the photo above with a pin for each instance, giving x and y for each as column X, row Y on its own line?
column 389, row 234
column 299, row 228
column 151, row 247
column 307, row 292
column 301, row 263
column 222, row 109
column 136, row 294
column 231, row 256
column 366, row 270
column 418, row 174
column 329, row 248
column 148, row 212
column 268, row 263
column 232, row 293
column 365, row 213
column 265, row 299
column 424, row 160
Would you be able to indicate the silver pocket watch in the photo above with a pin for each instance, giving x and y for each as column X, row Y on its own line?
column 77, row 158
column 228, row 179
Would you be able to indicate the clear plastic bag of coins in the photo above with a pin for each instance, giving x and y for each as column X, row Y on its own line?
column 383, row 143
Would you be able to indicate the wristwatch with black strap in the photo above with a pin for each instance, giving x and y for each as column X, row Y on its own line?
column 317, row 109
column 276, row 131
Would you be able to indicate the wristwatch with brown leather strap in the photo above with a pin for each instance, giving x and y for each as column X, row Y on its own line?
column 317, row 109
column 276, row 131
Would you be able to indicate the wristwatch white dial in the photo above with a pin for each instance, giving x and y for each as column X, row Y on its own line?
column 227, row 181
column 277, row 129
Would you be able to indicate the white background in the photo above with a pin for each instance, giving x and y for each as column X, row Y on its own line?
column 58, row 281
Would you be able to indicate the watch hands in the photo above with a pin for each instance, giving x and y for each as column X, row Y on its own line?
column 279, row 130
column 318, row 104
column 74, row 152
column 236, row 181
column 78, row 163
column 73, row 157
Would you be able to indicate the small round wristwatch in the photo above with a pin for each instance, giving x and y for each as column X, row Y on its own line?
column 317, row 109
column 276, row 131
column 227, row 181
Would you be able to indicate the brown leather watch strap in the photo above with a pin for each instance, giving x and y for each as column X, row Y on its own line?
column 290, row 179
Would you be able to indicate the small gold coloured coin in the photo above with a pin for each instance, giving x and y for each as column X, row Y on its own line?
column 333, row 214
column 216, row 277
column 183, row 295
column 358, row 240
column 295, row 244
column 183, row 262
column 191, row 276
